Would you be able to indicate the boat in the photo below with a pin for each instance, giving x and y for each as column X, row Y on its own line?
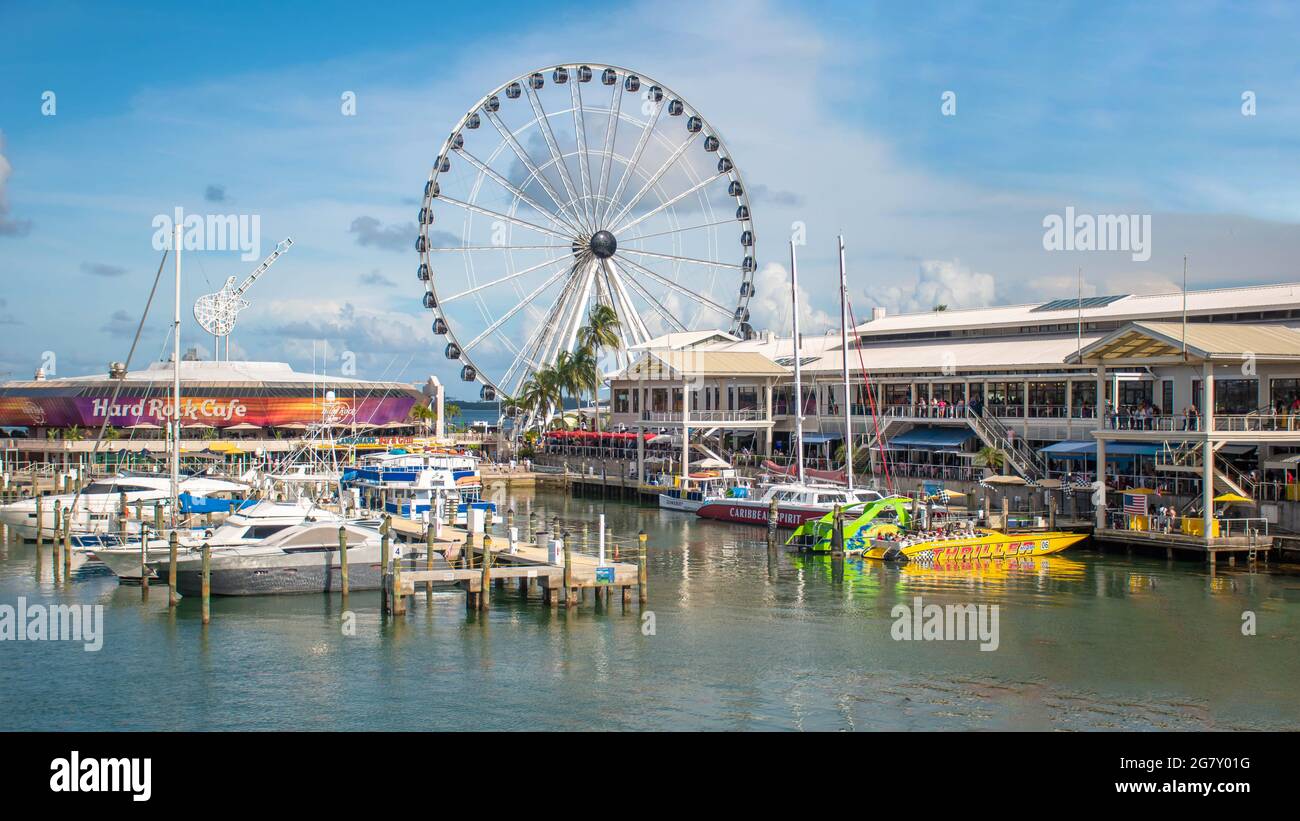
column 99, row 504
column 300, row 559
column 796, row 503
column 690, row 494
column 863, row 521
column 965, row 545
column 411, row 484
column 248, row 526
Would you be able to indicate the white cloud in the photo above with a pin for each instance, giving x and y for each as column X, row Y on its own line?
column 938, row 282
column 769, row 308
column 8, row 227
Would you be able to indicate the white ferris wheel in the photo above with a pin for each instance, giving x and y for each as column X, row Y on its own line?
column 574, row 185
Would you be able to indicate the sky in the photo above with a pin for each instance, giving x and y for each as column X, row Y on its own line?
column 936, row 138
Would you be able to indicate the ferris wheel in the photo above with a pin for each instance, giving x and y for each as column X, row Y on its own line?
column 571, row 186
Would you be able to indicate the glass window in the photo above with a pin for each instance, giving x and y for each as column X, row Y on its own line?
column 622, row 400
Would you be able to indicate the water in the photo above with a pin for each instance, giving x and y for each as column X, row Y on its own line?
column 1087, row 641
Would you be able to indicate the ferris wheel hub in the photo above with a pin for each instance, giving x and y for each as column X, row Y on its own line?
column 603, row 244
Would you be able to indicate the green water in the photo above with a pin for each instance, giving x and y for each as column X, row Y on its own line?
column 741, row 641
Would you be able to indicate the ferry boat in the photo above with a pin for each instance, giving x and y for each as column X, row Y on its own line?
column 965, row 545
column 690, row 494
column 100, row 503
column 796, row 504
column 411, row 483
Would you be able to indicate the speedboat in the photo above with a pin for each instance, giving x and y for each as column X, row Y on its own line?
column 304, row 558
column 795, row 504
column 248, row 526
column 862, row 521
column 99, row 504
column 963, row 545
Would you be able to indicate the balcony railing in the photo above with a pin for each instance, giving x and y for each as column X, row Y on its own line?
column 707, row 416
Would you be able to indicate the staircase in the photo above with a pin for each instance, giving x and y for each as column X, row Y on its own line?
column 1189, row 457
column 1026, row 461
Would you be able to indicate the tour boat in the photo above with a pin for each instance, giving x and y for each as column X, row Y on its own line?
column 412, row 483
column 796, row 503
column 690, row 494
column 964, row 545
column 862, row 521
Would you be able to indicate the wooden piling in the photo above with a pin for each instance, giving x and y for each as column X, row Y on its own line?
column 343, row 557
column 642, row 576
column 570, row 598
column 173, row 542
column 485, row 582
column 1006, row 514
column 428, row 561
column 205, row 591
column 67, row 542
column 40, row 536
column 144, row 564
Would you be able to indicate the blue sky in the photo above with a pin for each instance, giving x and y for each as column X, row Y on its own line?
column 832, row 110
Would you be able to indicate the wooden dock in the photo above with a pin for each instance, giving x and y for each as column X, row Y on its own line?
column 1249, row 547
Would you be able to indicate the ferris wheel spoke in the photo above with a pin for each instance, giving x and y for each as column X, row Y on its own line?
column 655, row 304
column 459, row 248
column 670, row 231
column 705, row 262
column 611, row 130
column 682, row 289
column 524, row 158
column 506, row 278
column 584, row 162
column 488, row 212
column 504, row 318
column 549, row 136
column 636, row 325
column 663, row 169
column 632, row 162
column 496, row 177
column 667, row 203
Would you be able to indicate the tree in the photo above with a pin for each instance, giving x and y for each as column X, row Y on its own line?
column 990, row 457
column 422, row 413
column 599, row 334
column 451, row 410
column 940, row 307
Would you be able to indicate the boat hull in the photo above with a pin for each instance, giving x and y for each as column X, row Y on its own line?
column 683, row 505
column 755, row 512
column 986, row 546
column 302, row 573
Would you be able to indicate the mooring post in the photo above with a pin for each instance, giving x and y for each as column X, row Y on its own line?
column 206, row 590
column 773, row 517
column 570, row 600
column 642, row 576
column 485, row 582
column 398, row 601
column 158, row 517
column 343, row 557
column 67, row 543
column 56, row 554
column 428, row 559
column 144, row 564
column 837, row 533
column 1051, row 511
column 173, row 542
column 1006, row 513
column 40, row 537
column 384, row 604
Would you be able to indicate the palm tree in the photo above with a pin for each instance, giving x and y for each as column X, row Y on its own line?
column 598, row 335
column 585, row 377
column 991, row 458
column 566, row 375
column 422, row 413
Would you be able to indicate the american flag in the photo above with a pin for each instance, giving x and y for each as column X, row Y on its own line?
column 1135, row 504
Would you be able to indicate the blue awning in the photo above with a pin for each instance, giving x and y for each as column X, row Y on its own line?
column 820, row 438
column 1115, row 451
column 933, row 436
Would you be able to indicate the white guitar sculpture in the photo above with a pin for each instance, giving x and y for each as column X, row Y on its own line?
column 216, row 313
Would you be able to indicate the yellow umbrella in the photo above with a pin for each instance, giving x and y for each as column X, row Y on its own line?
column 1233, row 497
column 1139, row 491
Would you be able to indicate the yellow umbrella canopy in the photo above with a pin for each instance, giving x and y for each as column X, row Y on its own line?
column 1139, row 491
column 1233, row 497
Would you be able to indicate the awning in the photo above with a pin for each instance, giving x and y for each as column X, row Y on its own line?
column 933, row 436
column 820, row 438
column 1115, row 451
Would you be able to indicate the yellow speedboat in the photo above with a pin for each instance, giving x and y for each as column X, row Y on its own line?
column 968, row 545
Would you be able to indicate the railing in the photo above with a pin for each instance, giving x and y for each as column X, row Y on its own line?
column 704, row 416
column 1186, row 524
column 1027, row 461
column 1225, row 422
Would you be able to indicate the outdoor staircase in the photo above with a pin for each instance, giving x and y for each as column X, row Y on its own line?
column 1189, row 458
column 1026, row 461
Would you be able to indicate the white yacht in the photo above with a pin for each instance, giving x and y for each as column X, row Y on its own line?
column 100, row 502
column 796, row 503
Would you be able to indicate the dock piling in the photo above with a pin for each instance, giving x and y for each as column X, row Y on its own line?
column 206, row 590
column 343, row 557
column 172, row 544
column 642, row 576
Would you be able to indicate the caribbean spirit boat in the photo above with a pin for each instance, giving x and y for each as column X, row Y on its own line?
column 964, row 545
column 796, row 503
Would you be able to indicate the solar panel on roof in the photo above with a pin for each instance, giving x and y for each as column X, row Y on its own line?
column 1076, row 303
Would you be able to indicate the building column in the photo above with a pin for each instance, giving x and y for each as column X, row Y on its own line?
column 1099, row 415
column 686, row 430
column 1207, row 469
column 640, row 455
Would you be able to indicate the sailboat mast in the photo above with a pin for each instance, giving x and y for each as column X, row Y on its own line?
column 798, row 381
column 844, row 347
column 176, row 385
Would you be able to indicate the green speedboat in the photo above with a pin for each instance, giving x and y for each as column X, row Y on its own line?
column 863, row 521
